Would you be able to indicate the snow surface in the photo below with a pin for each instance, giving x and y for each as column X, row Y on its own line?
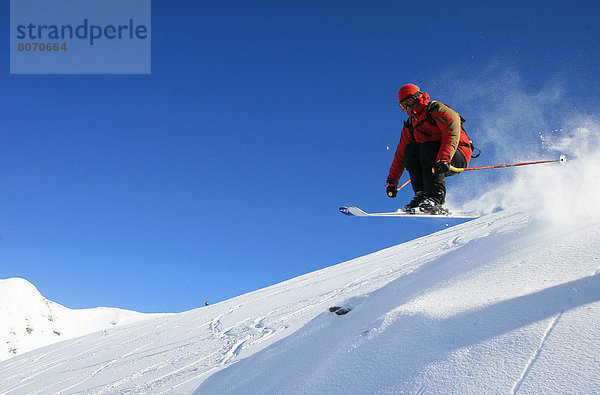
column 29, row 321
column 507, row 303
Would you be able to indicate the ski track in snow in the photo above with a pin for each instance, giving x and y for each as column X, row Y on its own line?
column 548, row 333
column 537, row 353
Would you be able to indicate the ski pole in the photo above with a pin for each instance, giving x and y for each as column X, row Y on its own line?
column 562, row 159
column 403, row 185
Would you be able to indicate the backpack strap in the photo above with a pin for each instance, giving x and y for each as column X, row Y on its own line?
column 428, row 118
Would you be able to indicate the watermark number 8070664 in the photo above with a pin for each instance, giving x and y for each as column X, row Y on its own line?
column 42, row 47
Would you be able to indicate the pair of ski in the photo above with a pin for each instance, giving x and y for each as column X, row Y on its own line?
column 357, row 212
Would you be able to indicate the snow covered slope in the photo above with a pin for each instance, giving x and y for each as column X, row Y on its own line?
column 497, row 304
column 507, row 308
column 29, row 321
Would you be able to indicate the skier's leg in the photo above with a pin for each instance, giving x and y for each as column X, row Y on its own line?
column 412, row 163
column 434, row 184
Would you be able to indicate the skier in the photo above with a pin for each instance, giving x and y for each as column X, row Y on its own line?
column 432, row 139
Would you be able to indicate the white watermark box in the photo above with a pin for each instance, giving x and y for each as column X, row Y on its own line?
column 80, row 37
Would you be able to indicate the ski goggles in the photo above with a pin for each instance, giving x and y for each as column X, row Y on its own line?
column 409, row 102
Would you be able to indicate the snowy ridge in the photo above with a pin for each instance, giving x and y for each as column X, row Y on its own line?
column 29, row 321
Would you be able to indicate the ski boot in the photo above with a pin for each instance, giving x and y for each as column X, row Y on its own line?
column 414, row 202
column 430, row 206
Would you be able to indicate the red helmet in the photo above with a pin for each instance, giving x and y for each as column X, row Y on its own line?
column 408, row 97
column 408, row 90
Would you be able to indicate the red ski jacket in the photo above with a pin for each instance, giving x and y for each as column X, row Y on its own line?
column 446, row 128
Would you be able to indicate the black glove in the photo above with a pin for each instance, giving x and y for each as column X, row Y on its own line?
column 441, row 168
column 391, row 189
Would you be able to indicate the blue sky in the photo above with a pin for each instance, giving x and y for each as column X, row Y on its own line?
column 222, row 171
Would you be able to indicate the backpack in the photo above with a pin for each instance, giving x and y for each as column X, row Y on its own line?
column 429, row 118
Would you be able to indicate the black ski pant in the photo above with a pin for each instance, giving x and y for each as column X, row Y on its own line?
column 419, row 159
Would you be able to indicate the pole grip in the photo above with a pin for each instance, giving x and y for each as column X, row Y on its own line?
column 456, row 169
